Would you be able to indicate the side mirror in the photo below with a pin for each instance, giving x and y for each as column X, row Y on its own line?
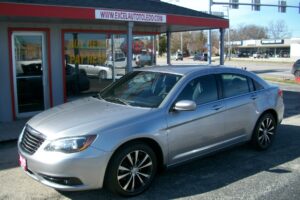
column 185, row 105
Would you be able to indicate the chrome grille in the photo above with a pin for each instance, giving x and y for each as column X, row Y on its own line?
column 31, row 140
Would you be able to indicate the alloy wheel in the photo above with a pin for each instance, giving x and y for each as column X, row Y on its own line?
column 266, row 131
column 135, row 171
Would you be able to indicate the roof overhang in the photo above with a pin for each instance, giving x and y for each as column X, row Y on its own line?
column 70, row 14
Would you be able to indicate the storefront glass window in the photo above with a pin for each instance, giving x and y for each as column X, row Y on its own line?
column 94, row 60
column 143, row 50
column 118, row 63
column 29, row 68
column 85, row 57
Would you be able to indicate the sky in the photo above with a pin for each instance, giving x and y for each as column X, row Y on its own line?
column 244, row 15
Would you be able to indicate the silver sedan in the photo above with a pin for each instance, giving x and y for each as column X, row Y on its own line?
column 151, row 118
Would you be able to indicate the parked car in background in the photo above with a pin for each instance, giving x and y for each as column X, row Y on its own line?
column 243, row 55
column 257, row 55
column 121, row 137
column 178, row 56
column 83, row 83
column 120, row 60
column 143, row 59
column 296, row 68
column 200, row 56
column 101, row 72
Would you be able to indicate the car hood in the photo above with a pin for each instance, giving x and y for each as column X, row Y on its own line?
column 84, row 116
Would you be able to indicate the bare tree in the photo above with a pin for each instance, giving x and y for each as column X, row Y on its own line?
column 192, row 42
column 248, row 32
column 175, row 42
column 278, row 29
column 197, row 42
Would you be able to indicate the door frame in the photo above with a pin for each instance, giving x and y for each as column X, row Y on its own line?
column 47, row 75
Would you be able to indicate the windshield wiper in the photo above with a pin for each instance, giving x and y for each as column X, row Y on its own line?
column 116, row 99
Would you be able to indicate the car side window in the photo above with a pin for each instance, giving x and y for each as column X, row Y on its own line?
column 200, row 90
column 234, row 84
column 257, row 86
column 251, row 84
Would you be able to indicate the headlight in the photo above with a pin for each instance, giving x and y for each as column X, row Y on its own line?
column 71, row 145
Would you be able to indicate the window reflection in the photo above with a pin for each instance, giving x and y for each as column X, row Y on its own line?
column 91, row 59
column 144, row 51
column 85, row 57
column 29, row 72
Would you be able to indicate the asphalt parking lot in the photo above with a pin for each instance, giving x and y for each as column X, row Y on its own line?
column 237, row 173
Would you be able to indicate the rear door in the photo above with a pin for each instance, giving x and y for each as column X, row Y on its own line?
column 240, row 106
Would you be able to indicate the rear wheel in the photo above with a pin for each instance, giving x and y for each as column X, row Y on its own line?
column 264, row 132
column 131, row 169
column 102, row 75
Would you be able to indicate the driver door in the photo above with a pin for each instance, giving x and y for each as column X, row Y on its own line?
column 193, row 133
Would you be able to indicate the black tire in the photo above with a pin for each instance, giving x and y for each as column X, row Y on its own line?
column 130, row 177
column 264, row 132
column 297, row 74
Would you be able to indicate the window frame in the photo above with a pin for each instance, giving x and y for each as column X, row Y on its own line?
column 254, row 85
column 218, row 88
column 235, row 74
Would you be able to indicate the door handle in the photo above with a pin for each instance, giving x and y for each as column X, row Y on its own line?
column 217, row 107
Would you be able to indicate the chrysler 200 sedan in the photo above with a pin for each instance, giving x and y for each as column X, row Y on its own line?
column 151, row 118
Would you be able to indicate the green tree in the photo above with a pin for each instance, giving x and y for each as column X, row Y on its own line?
column 162, row 44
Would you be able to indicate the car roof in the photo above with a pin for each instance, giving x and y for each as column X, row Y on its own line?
column 188, row 69
column 185, row 70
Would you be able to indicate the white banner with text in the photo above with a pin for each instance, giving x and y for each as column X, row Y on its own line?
column 130, row 16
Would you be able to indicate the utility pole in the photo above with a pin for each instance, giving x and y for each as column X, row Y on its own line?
column 181, row 45
column 209, row 52
column 228, row 35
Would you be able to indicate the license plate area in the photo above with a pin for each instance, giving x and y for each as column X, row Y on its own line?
column 23, row 162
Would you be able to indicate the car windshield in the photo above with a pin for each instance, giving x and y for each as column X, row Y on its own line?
column 141, row 88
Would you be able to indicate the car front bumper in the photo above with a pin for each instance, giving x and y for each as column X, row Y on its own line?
column 67, row 172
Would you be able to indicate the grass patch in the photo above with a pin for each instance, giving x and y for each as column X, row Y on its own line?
column 280, row 80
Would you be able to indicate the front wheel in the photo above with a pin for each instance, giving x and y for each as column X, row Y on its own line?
column 264, row 132
column 131, row 169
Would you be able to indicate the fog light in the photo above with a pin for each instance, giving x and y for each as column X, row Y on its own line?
column 69, row 181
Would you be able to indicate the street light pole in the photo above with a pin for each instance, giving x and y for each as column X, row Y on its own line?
column 181, row 45
column 209, row 52
column 229, row 42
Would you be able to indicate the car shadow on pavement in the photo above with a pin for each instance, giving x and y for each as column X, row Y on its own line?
column 216, row 171
column 291, row 101
column 8, row 155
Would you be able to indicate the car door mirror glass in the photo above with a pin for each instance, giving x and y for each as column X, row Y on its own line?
column 185, row 105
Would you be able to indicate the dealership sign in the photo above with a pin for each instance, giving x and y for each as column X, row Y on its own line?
column 130, row 16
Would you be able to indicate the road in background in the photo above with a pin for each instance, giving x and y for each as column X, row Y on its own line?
column 272, row 68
